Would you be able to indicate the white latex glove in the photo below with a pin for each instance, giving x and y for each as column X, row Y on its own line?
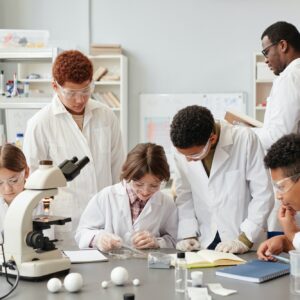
column 108, row 241
column 144, row 240
column 188, row 245
column 234, row 246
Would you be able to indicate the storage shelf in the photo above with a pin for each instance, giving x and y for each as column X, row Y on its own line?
column 25, row 54
column 26, row 102
column 42, row 80
column 116, row 64
column 262, row 84
column 264, row 81
column 108, row 82
column 105, row 56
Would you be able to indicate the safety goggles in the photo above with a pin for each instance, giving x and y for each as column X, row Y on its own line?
column 13, row 181
column 70, row 94
column 153, row 187
column 284, row 185
column 200, row 155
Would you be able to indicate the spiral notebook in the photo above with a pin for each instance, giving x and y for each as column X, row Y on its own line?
column 256, row 271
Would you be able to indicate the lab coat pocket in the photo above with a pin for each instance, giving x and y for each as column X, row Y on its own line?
column 233, row 187
column 102, row 136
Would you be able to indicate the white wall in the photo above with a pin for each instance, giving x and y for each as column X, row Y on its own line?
column 174, row 46
column 67, row 20
column 179, row 46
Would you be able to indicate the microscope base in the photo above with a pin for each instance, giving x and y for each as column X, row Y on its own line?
column 42, row 269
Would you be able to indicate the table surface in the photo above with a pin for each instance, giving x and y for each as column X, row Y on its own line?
column 156, row 284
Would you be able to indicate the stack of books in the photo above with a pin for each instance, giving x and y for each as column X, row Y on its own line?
column 108, row 98
column 99, row 49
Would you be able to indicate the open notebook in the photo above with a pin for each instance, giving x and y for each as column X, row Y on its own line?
column 85, row 256
column 255, row 271
column 210, row 258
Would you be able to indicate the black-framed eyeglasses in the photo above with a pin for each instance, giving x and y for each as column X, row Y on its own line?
column 265, row 51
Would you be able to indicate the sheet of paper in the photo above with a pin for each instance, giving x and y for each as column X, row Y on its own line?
column 218, row 289
column 85, row 256
column 198, row 293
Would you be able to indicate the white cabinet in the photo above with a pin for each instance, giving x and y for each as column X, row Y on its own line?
column 32, row 68
column 112, row 88
column 263, row 80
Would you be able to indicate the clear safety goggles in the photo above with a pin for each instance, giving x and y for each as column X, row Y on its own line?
column 139, row 185
column 13, row 181
column 70, row 94
column 284, row 185
column 200, row 155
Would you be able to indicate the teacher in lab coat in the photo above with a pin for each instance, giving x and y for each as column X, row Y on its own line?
column 224, row 194
column 281, row 48
column 75, row 125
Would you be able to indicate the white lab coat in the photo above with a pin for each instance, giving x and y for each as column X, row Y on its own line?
column 283, row 106
column 109, row 211
column 53, row 134
column 236, row 197
column 3, row 210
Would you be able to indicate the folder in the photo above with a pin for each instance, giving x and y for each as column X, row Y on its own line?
column 236, row 118
column 255, row 271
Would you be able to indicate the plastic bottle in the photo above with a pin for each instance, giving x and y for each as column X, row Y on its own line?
column 19, row 140
column 15, row 92
column 180, row 273
column 128, row 296
column 2, row 87
column 26, row 89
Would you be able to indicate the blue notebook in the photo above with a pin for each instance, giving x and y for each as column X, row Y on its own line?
column 255, row 271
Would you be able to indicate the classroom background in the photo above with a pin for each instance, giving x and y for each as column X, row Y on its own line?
column 192, row 46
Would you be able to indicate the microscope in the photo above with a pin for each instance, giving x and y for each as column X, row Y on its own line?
column 34, row 254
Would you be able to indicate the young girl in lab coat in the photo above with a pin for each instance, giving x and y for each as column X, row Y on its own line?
column 13, row 173
column 133, row 212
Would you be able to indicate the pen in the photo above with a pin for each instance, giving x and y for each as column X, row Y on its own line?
column 281, row 259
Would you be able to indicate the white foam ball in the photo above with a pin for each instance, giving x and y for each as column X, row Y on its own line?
column 119, row 276
column 54, row 285
column 104, row 284
column 136, row 282
column 73, row 282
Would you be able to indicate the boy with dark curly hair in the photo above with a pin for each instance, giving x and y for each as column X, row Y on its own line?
column 283, row 160
column 75, row 125
column 224, row 194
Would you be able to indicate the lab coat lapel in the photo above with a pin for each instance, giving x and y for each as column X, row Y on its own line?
column 147, row 209
column 59, row 108
column 222, row 152
column 125, row 207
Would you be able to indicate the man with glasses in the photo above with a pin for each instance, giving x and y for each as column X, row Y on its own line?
column 283, row 160
column 281, row 48
column 224, row 195
column 75, row 125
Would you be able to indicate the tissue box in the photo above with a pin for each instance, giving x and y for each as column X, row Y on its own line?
column 13, row 38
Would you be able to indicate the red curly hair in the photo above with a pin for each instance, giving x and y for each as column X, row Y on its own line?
column 72, row 66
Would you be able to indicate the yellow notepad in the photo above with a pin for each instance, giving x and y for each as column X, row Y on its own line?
column 210, row 258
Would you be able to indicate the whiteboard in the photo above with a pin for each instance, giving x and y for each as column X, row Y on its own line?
column 158, row 110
